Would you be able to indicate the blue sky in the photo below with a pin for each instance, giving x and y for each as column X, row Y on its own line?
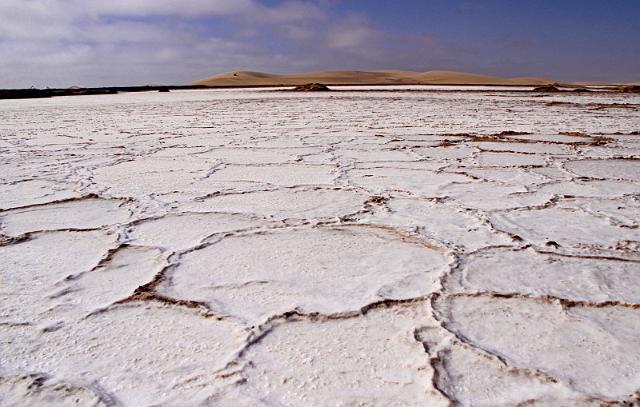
column 122, row 42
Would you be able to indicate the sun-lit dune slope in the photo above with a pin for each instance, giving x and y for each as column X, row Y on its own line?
column 245, row 78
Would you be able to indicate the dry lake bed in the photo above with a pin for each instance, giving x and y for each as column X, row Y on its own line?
column 267, row 248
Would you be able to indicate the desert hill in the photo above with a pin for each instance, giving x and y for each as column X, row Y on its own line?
column 246, row 78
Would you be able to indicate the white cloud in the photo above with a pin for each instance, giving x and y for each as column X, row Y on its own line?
column 100, row 42
column 124, row 42
column 191, row 8
column 355, row 32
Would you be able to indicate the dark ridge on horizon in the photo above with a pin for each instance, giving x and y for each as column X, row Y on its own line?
column 33, row 93
column 244, row 79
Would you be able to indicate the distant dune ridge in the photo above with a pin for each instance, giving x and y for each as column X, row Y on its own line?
column 246, row 78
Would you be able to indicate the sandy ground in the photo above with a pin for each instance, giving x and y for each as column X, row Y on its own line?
column 256, row 248
column 244, row 78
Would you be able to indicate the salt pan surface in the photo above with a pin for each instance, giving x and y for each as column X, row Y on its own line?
column 267, row 248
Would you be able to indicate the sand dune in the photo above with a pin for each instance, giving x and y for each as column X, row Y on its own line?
column 245, row 78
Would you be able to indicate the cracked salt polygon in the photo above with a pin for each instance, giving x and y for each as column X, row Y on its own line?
column 445, row 154
column 254, row 155
column 32, row 192
column 39, row 389
column 491, row 196
column 488, row 159
column 284, row 175
column 569, row 227
column 590, row 188
column 141, row 354
column 566, row 343
column 253, row 276
column 33, row 270
column 438, row 222
column 622, row 169
column 364, row 156
column 418, row 182
column 618, row 211
column 76, row 214
column 293, row 203
column 152, row 175
column 371, row 360
column 180, row 232
column 527, row 272
column 476, row 378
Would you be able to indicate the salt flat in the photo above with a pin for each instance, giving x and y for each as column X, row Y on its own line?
column 267, row 248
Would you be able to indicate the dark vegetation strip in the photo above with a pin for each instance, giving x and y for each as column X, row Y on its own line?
column 50, row 92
